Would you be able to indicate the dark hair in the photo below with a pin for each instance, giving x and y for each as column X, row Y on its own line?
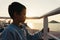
column 15, row 7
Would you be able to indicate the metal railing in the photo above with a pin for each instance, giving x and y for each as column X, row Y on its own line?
column 45, row 22
column 51, row 13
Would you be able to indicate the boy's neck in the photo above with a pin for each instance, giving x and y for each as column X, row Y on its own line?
column 17, row 23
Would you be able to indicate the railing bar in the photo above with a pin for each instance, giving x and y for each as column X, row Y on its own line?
column 45, row 24
column 53, row 12
column 53, row 36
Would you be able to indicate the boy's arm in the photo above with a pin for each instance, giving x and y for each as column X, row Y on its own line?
column 36, row 36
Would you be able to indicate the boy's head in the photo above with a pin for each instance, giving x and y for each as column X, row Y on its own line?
column 17, row 11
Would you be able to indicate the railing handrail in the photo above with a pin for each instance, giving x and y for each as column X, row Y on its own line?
column 49, row 34
column 53, row 12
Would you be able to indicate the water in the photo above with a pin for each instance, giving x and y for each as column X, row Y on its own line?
column 54, row 28
column 39, row 26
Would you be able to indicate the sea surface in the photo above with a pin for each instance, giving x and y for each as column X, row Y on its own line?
column 54, row 27
column 39, row 26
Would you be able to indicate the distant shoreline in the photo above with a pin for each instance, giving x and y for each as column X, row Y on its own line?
column 53, row 21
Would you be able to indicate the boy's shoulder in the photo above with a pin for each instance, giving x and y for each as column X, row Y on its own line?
column 9, row 32
column 11, row 28
column 8, row 29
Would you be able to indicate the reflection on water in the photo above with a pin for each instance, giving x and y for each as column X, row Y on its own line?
column 54, row 26
column 39, row 26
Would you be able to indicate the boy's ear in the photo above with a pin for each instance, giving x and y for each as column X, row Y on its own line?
column 15, row 15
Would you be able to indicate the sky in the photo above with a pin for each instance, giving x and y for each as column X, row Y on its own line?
column 34, row 7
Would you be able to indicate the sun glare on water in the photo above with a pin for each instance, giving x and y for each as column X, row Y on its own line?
column 30, row 25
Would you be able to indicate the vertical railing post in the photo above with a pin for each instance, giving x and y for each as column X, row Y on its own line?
column 45, row 24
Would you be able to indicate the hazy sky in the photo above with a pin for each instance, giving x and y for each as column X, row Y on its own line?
column 34, row 7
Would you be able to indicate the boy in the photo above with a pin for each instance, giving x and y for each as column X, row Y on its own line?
column 17, row 30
